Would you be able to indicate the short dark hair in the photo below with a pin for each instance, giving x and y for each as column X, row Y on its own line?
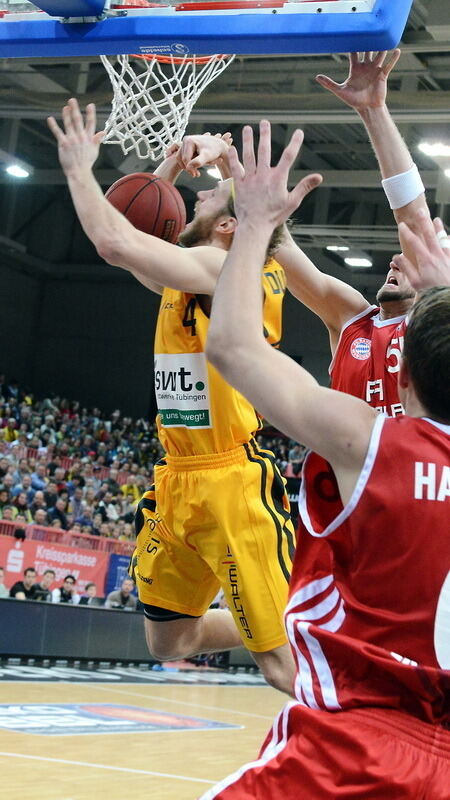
column 29, row 569
column 72, row 577
column 88, row 585
column 49, row 572
column 427, row 351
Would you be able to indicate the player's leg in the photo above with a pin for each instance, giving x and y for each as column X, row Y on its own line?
column 175, row 586
column 170, row 636
column 185, row 544
column 253, row 555
column 180, row 636
column 278, row 667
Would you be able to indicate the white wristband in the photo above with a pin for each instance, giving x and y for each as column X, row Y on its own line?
column 404, row 188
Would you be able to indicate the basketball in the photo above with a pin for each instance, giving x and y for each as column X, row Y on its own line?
column 150, row 203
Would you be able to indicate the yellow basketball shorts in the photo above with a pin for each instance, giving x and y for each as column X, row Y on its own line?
column 219, row 520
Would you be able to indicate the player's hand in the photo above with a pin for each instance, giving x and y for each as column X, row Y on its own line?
column 187, row 148
column 204, row 149
column 432, row 253
column 172, row 150
column 366, row 84
column 78, row 143
column 261, row 191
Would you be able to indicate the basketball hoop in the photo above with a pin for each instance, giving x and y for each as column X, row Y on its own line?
column 154, row 93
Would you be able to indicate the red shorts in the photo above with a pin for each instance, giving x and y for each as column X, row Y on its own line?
column 348, row 755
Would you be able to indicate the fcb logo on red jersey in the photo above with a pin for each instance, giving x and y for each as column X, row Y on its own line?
column 360, row 349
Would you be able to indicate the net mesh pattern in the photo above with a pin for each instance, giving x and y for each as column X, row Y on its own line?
column 152, row 100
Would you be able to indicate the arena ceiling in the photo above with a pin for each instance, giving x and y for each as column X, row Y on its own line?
column 38, row 229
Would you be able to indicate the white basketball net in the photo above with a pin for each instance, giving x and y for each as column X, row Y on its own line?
column 152, row 100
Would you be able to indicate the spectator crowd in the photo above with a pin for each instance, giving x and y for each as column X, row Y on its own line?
column 123, row 599
column 80, row 470
column 66, row 467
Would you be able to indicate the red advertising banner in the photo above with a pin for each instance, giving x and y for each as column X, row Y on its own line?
column 85, row 565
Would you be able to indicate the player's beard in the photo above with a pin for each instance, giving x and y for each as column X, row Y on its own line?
column 198, row 232
column 391, row 296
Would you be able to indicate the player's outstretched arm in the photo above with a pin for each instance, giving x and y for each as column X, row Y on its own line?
column 153, row 262
column 334, row 424
column 432, row 254
column 334, row 301
column 365, row 91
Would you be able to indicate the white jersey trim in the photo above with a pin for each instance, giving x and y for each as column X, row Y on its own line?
column 274, row 746
column 383, row 323
column 349, row 322
column 439, row 425
column 309, row 591
column 361, row 484
column 298, row 622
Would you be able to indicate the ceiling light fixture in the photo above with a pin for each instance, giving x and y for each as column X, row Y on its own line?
column 435, row 150
column 337, row 248
column 358, row 262
column 17, row 171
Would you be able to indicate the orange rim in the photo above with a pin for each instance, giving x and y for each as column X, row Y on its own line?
column 177, row 59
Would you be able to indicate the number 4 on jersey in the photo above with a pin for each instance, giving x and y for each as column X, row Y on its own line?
column 189, row 320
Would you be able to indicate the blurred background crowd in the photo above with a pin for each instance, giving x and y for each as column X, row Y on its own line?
column 81, row 470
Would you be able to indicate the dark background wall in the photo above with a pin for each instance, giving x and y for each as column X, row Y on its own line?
column 83, row 338
column 305, row 339
column 52, row 630
column 95, row 343
column 86, row 332
column 71, row 325
column 19, row 300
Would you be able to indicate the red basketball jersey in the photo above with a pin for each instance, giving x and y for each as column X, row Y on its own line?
column 370, row 625
column 367, row 360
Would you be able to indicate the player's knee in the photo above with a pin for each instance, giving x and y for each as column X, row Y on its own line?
column 168, row 641
column 164, row 653
column 163, row 650
column 276, row 677
column 278, row 668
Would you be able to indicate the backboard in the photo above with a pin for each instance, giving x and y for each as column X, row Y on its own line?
column 65, row 28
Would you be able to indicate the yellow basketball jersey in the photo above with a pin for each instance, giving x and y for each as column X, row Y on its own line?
column 199, row 413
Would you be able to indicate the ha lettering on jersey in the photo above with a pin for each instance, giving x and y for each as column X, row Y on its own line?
column 182, row 392
column 431, row 481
